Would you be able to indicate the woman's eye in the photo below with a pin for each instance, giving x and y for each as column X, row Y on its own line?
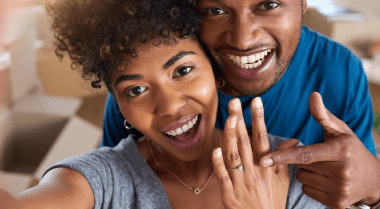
column 135, row 91
column 182, row 71
column 213, row 11
column 268, row 5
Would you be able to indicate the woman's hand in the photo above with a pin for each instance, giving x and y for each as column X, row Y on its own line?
column 253, row 186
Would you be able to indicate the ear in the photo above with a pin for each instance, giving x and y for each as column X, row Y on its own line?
column 304, row 6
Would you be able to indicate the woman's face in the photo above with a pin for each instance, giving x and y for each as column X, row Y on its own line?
column 168, row 93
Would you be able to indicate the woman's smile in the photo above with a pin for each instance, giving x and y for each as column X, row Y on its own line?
column 185, row 133
column 172, row 99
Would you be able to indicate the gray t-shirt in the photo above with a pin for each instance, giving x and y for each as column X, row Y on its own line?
column 120, row 178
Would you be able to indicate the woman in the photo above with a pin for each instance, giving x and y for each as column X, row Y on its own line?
column 147, row 54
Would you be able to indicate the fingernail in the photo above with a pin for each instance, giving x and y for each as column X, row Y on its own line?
column 236, row 104
column 267, row 162
column 233, row 122
column 258, row 102
column 218, row 152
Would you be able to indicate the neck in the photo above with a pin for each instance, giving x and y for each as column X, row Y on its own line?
column 198, row 169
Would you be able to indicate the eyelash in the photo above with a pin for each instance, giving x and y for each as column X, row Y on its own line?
column 132, row 94
column 208, row 11
column 268, row 3
column 213, row 10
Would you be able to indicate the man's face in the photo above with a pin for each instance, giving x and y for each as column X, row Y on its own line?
column 252, row 40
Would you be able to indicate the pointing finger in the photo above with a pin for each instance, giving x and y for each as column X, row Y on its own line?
column 301, row 155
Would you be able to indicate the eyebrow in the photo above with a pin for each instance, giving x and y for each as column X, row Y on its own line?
column 128, row 78
column 169, row 63
column 176, row 57
column 220, row 1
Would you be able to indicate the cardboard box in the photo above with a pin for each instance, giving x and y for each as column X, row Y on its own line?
column 36, row 130
column 37, row 133
column 5, row 93
column 354, row 30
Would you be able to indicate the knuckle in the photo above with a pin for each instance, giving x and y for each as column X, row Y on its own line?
column 239, row 119
column 345, row 149
column 341, row 202
column 244, row 139
column 224, row 180
column 231, row 135
column 234, row 156
column 263, row 136
column 305, row 156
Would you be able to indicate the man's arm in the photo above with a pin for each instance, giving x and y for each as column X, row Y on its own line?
column 113, row 125
column 339, row 172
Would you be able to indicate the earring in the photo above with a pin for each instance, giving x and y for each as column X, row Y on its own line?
column 125, row 125
column 220, row 83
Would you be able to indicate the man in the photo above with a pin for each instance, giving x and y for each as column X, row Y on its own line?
column 263, row 50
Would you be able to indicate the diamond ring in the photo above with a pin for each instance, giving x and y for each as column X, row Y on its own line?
column 239, row 168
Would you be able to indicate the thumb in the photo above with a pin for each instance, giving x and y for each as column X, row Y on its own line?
column 331, row 125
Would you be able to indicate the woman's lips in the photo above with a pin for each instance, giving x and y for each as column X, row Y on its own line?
column 189, row 138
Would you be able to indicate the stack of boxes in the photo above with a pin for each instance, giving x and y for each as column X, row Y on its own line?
column 36, row 129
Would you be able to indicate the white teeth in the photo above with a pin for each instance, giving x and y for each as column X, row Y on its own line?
column 237, row 59
column 258, row 56
column 244, row 60
column 191, row 124
column 179, row 131
column 183, row 129
column 251, row 61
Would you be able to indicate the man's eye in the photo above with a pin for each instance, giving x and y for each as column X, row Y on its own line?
column 182, row 71
column 213, row 11
column 135, row 91
column 268, row 6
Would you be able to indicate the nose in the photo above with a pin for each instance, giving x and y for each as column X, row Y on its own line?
column 244, row 32
column 169, row 100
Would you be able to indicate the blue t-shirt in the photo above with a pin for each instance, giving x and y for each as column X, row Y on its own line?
column 320, row 65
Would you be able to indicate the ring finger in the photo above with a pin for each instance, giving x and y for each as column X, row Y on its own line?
column 230, row 148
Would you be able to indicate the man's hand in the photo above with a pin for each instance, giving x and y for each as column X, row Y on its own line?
column 337, row 173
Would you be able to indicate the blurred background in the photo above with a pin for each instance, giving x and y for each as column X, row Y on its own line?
column 47, row 111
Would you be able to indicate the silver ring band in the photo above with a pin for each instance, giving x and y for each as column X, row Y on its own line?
column 238, row 168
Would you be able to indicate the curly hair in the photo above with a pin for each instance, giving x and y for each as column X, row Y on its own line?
column 96, row 33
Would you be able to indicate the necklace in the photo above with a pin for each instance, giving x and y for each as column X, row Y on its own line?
column 195, row 190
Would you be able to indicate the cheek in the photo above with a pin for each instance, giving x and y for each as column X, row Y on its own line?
column 140, row 119
column 206, row 91
column 287, row 34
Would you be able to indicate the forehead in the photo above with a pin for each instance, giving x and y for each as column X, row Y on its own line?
column 151, row 56
column 246, row 1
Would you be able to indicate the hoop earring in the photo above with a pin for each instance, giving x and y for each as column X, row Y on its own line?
column 222, row 83
column 125, row 125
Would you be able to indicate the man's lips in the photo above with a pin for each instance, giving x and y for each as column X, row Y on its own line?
column 249, row 70
column 251, row 61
